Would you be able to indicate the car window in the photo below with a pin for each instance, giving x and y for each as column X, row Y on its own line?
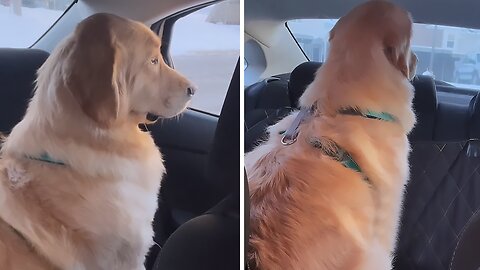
column 205, row 48
column 450, row 54
column 22, row 22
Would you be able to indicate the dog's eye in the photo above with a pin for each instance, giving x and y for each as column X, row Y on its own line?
column 154, row 61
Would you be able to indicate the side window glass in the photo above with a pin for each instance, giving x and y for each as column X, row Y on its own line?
column 205, row 48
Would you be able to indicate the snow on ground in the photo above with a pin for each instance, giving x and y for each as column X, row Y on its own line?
column 22, row 31
column 206, row 53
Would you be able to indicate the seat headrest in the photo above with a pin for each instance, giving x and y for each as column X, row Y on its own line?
column 300, row 78
column 475, row 117
column 274, row 95
column 425, row 107
column 270, row 93
column 18, row 69
column 425, row 99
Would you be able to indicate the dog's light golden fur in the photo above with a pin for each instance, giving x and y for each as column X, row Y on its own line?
column 309, row 211
column 94, row 212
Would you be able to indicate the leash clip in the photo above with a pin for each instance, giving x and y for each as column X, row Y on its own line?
column 288, row 141
column 290, row 135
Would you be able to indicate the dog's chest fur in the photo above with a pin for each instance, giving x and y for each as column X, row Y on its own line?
column 105, row 222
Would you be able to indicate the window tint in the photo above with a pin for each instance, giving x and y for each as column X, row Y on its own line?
column 22, row 22
column 450, row 54
column 205, row 47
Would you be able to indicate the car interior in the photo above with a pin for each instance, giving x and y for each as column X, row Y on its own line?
column 439, row 223
column 198, row 204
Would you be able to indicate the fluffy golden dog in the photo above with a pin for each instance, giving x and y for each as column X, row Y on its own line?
column 329, row 197
column 78, row 179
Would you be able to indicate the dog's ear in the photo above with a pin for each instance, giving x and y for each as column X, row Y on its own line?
column 331, row 34
column 412, row 65
column 399, row 56
column 396, row 44
column 92, row 65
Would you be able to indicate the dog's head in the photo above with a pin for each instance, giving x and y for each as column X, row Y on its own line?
column 115, row 72
column 379, row 22
column 369, row 64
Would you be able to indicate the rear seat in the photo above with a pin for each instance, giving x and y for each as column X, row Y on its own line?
column 265, row 102
column 18, row 68
column 466, row 252
column 263, row 110
column 300, row 78
column 263, row 98
column 444, row 189
column 425, row 106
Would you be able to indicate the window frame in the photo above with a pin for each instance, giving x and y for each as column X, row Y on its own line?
column 296, row 41
column 54, row 23
column 446, row 41
column 169, row 22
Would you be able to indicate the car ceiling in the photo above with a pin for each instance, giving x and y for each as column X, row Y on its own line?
column 463, row 13
column 148, row 11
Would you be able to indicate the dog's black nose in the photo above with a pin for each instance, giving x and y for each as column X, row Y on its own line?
column 190, row 91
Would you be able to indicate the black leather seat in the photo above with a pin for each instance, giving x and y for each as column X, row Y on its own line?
column 425, row 106
column 263, row 98
column 444, row 186
column 18, row 68
column 262, row 102
column 300, row 78
column 212, row 240
column 465, row 255
column 263, row 110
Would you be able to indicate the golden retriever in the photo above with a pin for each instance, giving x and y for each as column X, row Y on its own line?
column 329, row 197
column 79, row 179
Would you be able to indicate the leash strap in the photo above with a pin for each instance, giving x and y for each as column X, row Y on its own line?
column 290, row 136
column 369, row 114
column 337, row 153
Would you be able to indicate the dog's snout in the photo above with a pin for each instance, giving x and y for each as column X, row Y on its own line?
column 191, row 91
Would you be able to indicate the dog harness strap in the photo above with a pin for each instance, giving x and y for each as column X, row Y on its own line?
column 290, row 136
column 46, row 158
column 329, row 147
column 369, row 114
column 333, row 150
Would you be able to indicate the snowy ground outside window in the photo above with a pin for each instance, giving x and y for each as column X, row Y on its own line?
column 206, row 53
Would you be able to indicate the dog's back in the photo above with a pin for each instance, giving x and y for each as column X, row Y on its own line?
column 308, row 211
